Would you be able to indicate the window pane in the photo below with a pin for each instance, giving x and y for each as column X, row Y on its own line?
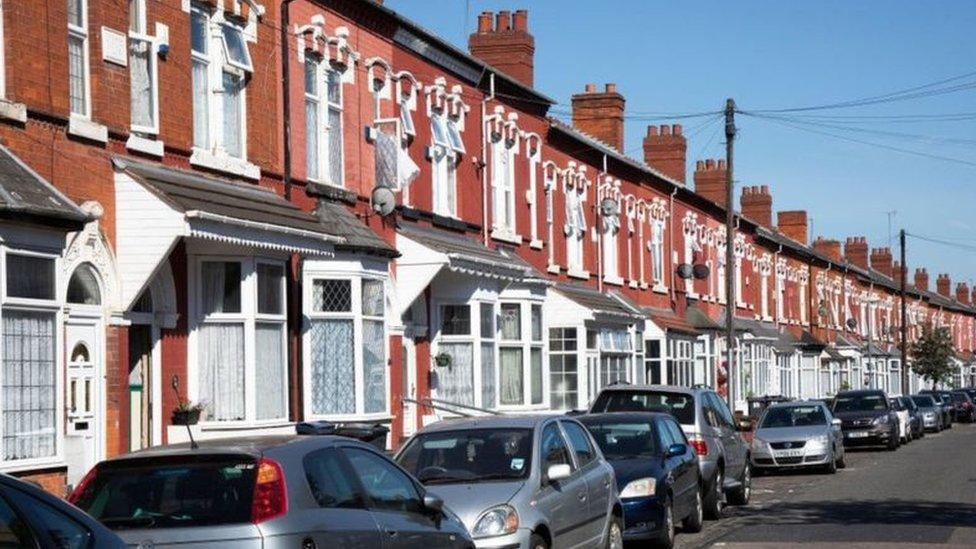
column 373, row 298
column 311, row 138
column 330, row 481
column 76, row 12
column 511, row 375
column 311, row 71
column 335, row 146
column 333, row 388
column 237, row 52
column 333, row 82
column 454, row 135
column 554, row 451
column 136, row 17
column 535, row 358
column 201, row 122
column 536, row 322
column 28, row 385
column 563, row 380
column 455, row 320
column 488, row 375
column 198, row 32
column 386, row 485
column 511, row 321
column 271, row 278
column 221, row 287
column 270, row 368
column 141, row 82
column 487, row 320
column 83, row 287
column 221, row 360
column 406, row 119
column 580, row 443
column 332, row 296
column 374, row 366
column 30, row 277
column 438, row 131
column 76, row 75
column 455, row 383
column 233, row 128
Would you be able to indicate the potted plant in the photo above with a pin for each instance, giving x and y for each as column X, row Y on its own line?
column 187, row 413
column 442, row 360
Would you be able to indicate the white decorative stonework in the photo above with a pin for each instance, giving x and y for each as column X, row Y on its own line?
column 89, row 246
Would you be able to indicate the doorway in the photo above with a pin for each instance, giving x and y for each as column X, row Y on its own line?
column 140, row 387
column 409, row 377
column 83, row 403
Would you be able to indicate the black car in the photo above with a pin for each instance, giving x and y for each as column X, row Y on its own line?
column 915, row 419
column 944, row 399
column 867, row 418
column 656, row 469
column 962, row 405
column 30, row 517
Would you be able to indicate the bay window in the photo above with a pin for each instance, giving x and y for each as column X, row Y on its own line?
column 488, row 370
column 681, row 369
column 520, row 352
column 563, row 368
column 616, row 352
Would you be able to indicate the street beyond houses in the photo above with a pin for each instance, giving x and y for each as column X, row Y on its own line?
column 925, row 493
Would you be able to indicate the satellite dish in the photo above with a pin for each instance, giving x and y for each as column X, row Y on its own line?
column 685, row 271
column 383, row 201
column 851, row 323
column 700, row 271
column 608, row 207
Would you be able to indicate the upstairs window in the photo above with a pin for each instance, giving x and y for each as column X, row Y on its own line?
column 503, row 151
column 142, row 72
column 79, row 86
column 323, row 121
column 444, row 160
column 236, row 48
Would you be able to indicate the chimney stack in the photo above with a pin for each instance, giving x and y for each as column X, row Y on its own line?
column 943, row 284
column 922, row 279
column 828, row 247
column 600, row 114
column 856, row 251
column 962, row 293
column 881, row 261
column 710, row 180
column 793, row 224
column 506, row 45
column 896, row 270
column 757, row 204
column 665, row 150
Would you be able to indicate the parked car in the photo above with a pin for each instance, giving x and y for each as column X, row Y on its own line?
column 723, row 455
column 963, row 409
column 266, row 492
column 520, row 481
column 31, row 517
column 656, row 471
column 904, row 420
column 866, row 418
column 931, row 410
column 798, row 434
column 945, row 403
column 915, row 420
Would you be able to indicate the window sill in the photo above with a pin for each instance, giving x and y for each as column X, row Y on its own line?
column 32, row 464
column 152, row 147
column 535, row 244
column 660, row 289
column 16, row 112
column 552, row 269
column 202, row 158
column 632, row 284
column 86, row 129
column 613, row 280
column 506, row 235
column 582, row 275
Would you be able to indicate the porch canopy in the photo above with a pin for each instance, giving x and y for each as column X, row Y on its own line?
column 26, row 197
column 156, row 206
column 601, row 305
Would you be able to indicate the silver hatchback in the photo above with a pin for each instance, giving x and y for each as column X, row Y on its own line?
column 525, row 482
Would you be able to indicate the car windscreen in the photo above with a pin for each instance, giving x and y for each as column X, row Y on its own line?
column 960, row 397
column 469, row 455
column 860, row 403
column 170, row 492
column 793, row 416
column 679, row 405
column 622, row 439
column 924, row 401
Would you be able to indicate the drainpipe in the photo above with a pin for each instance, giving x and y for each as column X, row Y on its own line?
column 484, row 156
column 285, row 98
column 598, row 221
column 670, row 258
column 778, row 296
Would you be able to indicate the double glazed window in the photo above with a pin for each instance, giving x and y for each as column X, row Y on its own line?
column 142, row 71
column 563, row 368
column 79, row 87
column 347, row 346
column 520, row 381
column 241, row 338
column 323, row 121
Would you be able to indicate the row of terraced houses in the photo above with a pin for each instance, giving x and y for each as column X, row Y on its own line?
column 189, row 212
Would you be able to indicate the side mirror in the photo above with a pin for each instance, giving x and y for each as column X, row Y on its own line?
column 835, row 422
column 558, row 472
column 433, row 503
column 744, row 425
column 677, row 449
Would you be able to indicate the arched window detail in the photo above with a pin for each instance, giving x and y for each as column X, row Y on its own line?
column 80, row 354
column 83, row 287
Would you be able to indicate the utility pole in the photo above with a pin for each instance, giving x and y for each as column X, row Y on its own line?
column 730, row 297
column 904, row 316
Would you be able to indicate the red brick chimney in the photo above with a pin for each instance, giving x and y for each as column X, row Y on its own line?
column 600, row 114
column 922, row 279
column 757, row 204
column 793, row 224
column 943, row 284
column 828, row 247
column 665, row 150
column 710, row 180
column 881, row 261
column 506, row 46
column 896, row 270
column 856, row 251
column 962, row 293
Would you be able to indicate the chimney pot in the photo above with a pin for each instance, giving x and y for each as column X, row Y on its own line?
column 651, row 130
column 665, row 129
column 721, row 164
column 590, row 88
column 610, row 87
column 503, row 21
column 709, row 164
column 520, row 21
column 484, row 22
column 676, row 129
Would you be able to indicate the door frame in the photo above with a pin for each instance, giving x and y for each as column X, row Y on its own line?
column 89, row 316
column 410, row 367
column 156, row 355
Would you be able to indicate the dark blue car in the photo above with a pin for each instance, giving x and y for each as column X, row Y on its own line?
column 656, row 469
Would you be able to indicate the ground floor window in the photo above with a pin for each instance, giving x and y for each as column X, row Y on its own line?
column 653, row 361
column 29, row 396
column 809, row 373
column 616, row 354
column 786, row 375
column 756, row 360
column 680, row 362
column 563, row 368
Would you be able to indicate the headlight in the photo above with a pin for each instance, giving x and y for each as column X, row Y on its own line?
column 929, row 415
column 497, row 521
column 821, row 440
column 639, row 488
column 880, row 420
column 758, row 443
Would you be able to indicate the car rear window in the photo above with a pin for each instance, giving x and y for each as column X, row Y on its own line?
column 925, row 401
column 171, row 492
column 679, row 405
column 960, row 397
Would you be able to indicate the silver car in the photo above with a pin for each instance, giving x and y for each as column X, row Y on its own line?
column 798, row 434
column 266, row 493
column 528, row 482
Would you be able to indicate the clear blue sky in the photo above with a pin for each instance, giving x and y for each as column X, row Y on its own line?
column 688, row 56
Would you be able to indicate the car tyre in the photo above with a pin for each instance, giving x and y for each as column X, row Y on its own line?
column 714, row 500
column 741, row 494
column 615, row 533
column 537, row 542
column 831, row 467
column 665, row 539
column 892, row 443
column 695, row 521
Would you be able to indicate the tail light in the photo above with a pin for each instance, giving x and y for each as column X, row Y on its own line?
column 701, row 448
column 270, row 495
column 75, row 494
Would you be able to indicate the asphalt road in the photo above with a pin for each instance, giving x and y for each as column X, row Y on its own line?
column 923, row 494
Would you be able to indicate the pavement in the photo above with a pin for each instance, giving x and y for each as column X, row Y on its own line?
column 922, row 495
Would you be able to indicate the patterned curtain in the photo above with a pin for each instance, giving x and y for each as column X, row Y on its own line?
column 488, row 375
column 270, row 365
column 511, row 375
column 333, row 367
column 455, row 383
column 374, row 363
column 232, row 114
column 140, row 77
column 222, row 370
column 535, row 357
column 28, row 385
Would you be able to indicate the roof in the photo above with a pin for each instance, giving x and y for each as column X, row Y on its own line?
column 594, row 300
column 489, row 422
column 459, row 247
column 808, row 340
column 669, row 321
column 833, row 354
column 754, row 327
column 254, row 445
column 337, row 219
column 697, row 318
column 786, row 342
column 26, row 196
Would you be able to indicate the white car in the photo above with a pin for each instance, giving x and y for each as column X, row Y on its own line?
column 904, row 421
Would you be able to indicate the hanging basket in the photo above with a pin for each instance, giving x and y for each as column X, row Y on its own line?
column 442, row 360
column 186, row 417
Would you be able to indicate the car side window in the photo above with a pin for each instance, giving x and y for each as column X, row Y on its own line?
column 14, row 531
column 331, row 481
column 580, row 442
column 388, row 487
column 722, row 409
column 664, row 435
column 676, row 433
column 553, row 448
column 708, row 410
column 66, row 532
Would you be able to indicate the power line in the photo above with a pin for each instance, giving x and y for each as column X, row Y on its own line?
column 966, row 247
column 883, row 133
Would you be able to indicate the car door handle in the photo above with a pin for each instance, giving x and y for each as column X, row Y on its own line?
column 582, row 496
column 392, row 533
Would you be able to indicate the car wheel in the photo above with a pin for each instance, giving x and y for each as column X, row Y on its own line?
column 841, row 464
column 715, row 499
column 665, row 539
column 693, row 523
column 831, row 467
column 615, row 533
column 740, row 495
column 892, row 442
column 538, row 542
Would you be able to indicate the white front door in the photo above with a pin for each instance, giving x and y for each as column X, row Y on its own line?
column 409, row 376
column 83, row 408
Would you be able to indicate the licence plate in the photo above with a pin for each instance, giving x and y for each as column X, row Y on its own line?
column 857, row 434
column 788, row 453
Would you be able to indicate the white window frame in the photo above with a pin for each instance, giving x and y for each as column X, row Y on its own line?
column 325, row 105
column 81, row 33
column 247, row 66
column 141, row 34
column 249, row 318
column 656, row 247
column 611, row 252
column 527, row 345
column 444, row 160
column 503, row 187
column 575, row 236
